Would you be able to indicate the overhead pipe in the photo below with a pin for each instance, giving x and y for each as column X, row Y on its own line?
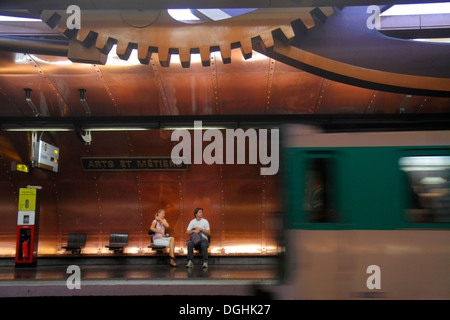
column 35, row 46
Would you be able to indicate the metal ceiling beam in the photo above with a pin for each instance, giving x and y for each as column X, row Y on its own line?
column 337, row 122
column 193, row 4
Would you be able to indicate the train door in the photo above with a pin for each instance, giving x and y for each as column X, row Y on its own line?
column 315, row 202
column 425, row 222
column 319, row 202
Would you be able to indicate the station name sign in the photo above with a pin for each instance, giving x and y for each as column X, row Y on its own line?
column 131, row 164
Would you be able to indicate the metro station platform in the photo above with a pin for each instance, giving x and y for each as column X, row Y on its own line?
column 123, row 275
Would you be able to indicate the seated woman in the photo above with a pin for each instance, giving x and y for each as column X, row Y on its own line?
column 159, row 226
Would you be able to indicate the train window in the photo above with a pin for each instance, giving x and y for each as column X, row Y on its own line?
column 318, row 202
column 429, row 184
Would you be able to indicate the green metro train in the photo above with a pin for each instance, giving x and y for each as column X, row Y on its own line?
column 368, row 214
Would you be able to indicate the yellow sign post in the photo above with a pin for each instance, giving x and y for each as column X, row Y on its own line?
column 27, row 199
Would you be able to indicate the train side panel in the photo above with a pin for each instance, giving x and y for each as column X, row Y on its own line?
column 353, row 231
column 332, row 264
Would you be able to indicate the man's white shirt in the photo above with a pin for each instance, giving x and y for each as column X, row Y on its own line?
column 202, row 223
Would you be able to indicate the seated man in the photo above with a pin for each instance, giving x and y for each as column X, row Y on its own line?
column 201, row 227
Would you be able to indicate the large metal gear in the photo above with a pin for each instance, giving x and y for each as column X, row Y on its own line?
column 156, row 31
column 335, row 44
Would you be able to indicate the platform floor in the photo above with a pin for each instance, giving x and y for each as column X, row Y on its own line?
column 237, row 277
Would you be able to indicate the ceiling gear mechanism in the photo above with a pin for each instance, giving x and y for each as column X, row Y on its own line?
column 155, row 31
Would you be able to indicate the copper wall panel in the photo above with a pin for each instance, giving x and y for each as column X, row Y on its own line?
column 187, row 90
column 96, row 96
column 8, row 212
column 9, row 189
column 71, row 149
column 115, row 143
column 342, row 98
column 78, row 207
column 254, row 86
column 242, row 216
column 150, row 143
column 8, row 107
column 189, row 93
column 119, row 209
column 42, row 95
column 165, row 195
column 385, row 102
column 19, row 71
column 242, row 83
column 48, row 220
column 135, row 91
column 293, row 91
column 203, row 172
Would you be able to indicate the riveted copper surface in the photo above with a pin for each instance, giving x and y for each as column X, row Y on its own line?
column 239, row 203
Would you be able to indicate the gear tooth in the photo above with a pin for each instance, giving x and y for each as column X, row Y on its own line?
column 267, row 41
column 86, row 37
column 51, row 18
column 246, row 48
column 64, row 29
column 308, row 20
column 319, row 15
column 328, row 11
column 104, row 43
column 123, row 49
column 205, row 55
column 303, row 24
column 164, row 56
column 225, row 52
column 144, row 53
column 288, row 32
column 185, row 57
column 82, row 34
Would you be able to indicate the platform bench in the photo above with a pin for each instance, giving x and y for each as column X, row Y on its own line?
column 155, row 247
column 117, row 241
column 75, row 242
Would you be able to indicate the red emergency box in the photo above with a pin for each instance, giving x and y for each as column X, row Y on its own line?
column 27, row 228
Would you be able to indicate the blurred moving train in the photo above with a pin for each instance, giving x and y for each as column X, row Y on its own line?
column 368, row 214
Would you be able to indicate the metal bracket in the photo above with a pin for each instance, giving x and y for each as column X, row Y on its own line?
column 34, row 148
column 36, row 113
column 402, row 108
column 87, row 138
column 87, row 109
